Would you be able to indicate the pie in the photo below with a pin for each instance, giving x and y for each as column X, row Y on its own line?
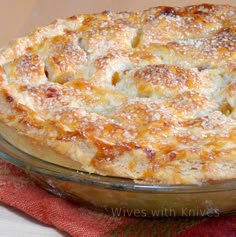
column 147, row 95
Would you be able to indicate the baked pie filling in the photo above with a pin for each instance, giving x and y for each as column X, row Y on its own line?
column 148, row 95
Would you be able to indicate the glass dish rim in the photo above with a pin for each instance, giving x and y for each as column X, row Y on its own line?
column 43, row 167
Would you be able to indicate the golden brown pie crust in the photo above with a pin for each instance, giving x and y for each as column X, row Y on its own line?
column 148, row 95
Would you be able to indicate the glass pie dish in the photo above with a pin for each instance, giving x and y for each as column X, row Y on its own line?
column 121, row 196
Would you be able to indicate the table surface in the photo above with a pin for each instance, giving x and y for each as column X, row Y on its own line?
column 23, row 225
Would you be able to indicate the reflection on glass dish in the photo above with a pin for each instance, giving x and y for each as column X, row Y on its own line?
column 124, row 197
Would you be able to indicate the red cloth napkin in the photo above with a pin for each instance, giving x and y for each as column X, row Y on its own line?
column 17, row 190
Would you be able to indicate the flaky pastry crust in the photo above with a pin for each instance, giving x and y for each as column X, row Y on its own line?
column 148, row 95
